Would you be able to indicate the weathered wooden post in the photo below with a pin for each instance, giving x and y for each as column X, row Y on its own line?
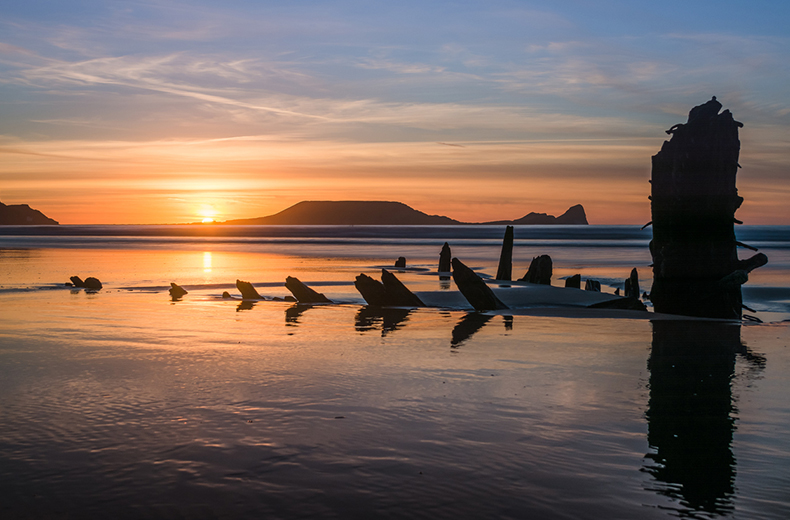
column 696, row 271
column 444, row 259
column 505, row 269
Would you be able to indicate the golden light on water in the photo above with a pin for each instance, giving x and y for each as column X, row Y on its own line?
column 207, row 261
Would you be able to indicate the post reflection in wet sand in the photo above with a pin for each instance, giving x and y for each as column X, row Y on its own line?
column 391, row 318
column 245, row 305
column 294, row 312
column 691, row 415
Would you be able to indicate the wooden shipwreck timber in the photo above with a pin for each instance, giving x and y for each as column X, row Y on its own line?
column 696, row 270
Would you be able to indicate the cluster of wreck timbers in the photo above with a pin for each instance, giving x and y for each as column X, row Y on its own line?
column 696, row 269
column 391, row 292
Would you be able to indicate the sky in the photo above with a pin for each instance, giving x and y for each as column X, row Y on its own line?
column 156, row 111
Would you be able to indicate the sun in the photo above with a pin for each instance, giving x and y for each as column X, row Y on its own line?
column 207, row 212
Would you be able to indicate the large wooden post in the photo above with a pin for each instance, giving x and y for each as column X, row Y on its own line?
column 696, row 271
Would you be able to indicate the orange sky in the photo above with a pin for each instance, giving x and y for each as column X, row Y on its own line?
column 170, row 113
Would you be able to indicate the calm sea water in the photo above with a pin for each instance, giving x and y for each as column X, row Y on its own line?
column 126, row 404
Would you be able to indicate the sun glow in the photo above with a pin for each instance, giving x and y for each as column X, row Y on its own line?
column 208, row 213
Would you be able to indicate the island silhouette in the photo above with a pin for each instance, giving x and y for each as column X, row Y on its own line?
column 23, row 215
column 386, row 213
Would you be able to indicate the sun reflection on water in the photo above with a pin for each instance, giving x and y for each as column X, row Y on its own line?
column 207, row 261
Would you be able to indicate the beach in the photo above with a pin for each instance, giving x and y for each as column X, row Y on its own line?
column 124, row 403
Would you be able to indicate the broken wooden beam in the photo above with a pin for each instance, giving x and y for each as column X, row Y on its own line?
column 303, row 293
column 247, row 291
column 397, row 294
column 390, row 292
column 474, row 289
column 176, row 291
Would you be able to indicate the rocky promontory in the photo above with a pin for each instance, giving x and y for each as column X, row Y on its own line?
column 23, row 215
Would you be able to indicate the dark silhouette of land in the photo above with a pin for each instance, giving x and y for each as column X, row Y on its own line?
column 383, row 213
column 23, row 215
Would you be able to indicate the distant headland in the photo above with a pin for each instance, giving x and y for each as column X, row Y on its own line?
column 382, row 213
column 23, row 215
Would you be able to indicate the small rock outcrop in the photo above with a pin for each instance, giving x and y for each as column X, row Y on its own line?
column 400, row 262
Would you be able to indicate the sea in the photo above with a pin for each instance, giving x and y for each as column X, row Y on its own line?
column 126, row 403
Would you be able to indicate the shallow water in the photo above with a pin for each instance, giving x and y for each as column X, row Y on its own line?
column 125, row 404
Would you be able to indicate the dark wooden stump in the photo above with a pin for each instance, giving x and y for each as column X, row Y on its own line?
column 505, row 269
column 540, row 270
column 574, row 282
column 444, row 259
column 694, row 200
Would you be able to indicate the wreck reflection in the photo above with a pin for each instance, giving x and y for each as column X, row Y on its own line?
column 467, row 326
column 691, row 415
column 294, row 312
column 390, row 318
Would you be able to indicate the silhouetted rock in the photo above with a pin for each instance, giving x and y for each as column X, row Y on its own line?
column 400, row 262
column 474, row 289
column 247, row 291
column 77, row 281
column 444, row 259
column 226, row 295
column 694, row 200
column 540, row 270
column 303, row 293
column 592, row 285
column 574, row 282
column 505, row 269
column 176, row 291
column 574, row 216
column 23, row 215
